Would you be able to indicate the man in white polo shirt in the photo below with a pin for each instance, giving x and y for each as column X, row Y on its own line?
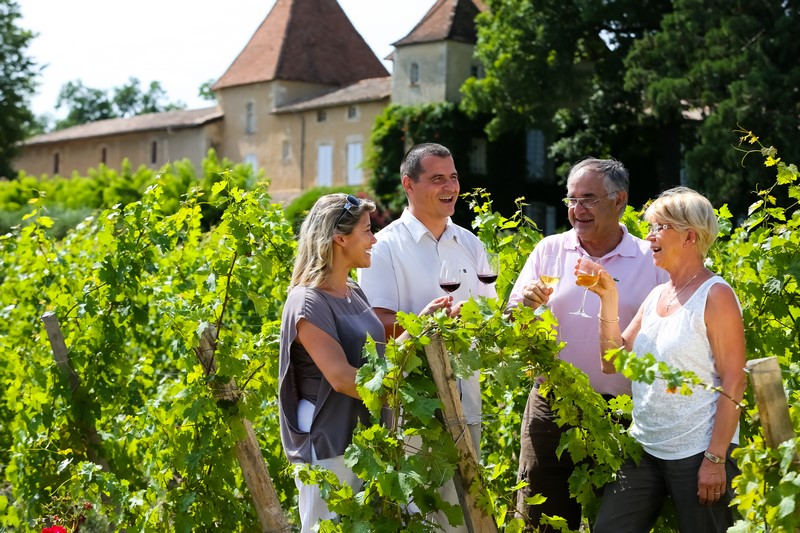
column 404, row 275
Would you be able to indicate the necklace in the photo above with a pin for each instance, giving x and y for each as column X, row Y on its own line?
column 675, row 296
column 345, row 294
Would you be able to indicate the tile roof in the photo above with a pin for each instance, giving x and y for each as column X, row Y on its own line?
column 116, row 126
column 304, row 40
column 452, row 20
column 362, row 91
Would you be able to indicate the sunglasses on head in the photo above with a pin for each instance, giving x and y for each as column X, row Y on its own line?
column 349, row 202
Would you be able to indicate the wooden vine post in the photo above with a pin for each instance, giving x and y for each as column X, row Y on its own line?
column 248, row 452
column 80, row 402
column 773, row 409
column 467, row 473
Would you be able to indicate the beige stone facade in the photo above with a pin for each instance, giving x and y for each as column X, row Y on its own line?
column 298, row 103
column 149, row 140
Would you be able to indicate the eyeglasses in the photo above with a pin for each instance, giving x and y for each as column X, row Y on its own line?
column 586, row 203
column 656, row 228
column 349, row 202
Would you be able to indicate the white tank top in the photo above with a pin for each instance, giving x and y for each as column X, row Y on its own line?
column 673, row 425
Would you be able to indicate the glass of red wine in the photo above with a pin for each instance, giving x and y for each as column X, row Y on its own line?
column 489, row 268
column 449, row 276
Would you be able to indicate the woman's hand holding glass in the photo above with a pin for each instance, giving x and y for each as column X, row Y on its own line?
column 587, row 274
column 594, row 278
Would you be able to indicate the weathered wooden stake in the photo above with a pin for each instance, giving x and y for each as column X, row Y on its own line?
column 248, row 452
column 773, row 409
column 80, row 403
column 476, row 520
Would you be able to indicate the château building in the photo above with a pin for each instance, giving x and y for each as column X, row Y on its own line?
column 298, row 102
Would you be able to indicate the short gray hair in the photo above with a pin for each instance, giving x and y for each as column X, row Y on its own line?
column 615, row 176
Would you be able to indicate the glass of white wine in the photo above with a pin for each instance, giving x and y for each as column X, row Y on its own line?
column 549, row 274
column 587, row 276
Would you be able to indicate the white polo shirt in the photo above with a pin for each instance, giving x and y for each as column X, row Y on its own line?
column 404, row 276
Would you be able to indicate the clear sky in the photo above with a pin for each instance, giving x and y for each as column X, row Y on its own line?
column 179, row 43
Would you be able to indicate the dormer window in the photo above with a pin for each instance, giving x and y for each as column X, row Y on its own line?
column 322, row 115
column 413, row 74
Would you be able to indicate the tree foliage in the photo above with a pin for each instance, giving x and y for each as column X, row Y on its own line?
column 86, row 104
column 205, row 92
column 18, row 74
column 545, row 58
column 737, row 67
column 632, row 79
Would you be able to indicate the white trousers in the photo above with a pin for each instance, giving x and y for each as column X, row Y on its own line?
column 312, row 507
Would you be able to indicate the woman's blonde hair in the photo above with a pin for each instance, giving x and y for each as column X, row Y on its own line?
column 686, row 209
column 332, row 214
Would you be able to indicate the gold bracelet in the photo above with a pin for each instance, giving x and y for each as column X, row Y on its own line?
column 608, row 320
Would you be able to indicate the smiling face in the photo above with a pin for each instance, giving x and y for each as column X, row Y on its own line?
column 597, row 227
column 356, row 248
column 432, row 198
column 669, row 245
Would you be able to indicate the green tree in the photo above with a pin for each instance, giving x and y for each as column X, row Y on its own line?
column 659, row 84
column 737, row 67
column 205, row 92
column 87, row 104
column 130, row 99
column 542, row 56
column 84, row 104
column 18, row 74
column 557, row 66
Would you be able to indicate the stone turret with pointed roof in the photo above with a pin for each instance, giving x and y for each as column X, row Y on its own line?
column 307, row 41
column 452, row 20
column 436, row 57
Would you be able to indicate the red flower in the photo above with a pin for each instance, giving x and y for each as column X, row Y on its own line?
column 54, row 529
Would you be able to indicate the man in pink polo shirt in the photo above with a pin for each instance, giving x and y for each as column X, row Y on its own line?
column 597, row 193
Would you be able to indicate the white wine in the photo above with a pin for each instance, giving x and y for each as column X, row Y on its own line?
column 549, row 281
column 586, row 280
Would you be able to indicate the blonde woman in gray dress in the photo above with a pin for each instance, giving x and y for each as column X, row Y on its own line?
column 325, row 324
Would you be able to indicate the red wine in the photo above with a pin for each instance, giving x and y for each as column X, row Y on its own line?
column 449, row 287
column 487, row 278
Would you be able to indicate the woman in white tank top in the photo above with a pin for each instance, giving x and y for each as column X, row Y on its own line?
column 692, row 322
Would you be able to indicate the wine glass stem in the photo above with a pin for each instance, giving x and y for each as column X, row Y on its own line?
column 583, row 301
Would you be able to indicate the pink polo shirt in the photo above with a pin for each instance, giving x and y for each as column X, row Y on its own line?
column 630, row 262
